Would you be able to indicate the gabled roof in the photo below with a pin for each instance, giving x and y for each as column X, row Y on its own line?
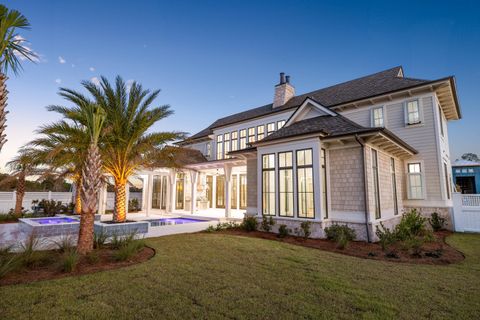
column 383, row 82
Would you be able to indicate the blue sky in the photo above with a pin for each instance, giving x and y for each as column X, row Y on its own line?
column 214, row 58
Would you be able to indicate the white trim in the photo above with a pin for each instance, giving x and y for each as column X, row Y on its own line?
column 422, row 176
column 299, row 112
column 384, row 116
column 421, row 119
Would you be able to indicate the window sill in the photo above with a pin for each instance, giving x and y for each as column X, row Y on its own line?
column 413, row 125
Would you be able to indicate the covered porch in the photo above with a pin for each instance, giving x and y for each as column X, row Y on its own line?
column 213, row 189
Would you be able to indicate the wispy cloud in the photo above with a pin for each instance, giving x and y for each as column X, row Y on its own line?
column 20, row 41
column 58, row 81
column 95, row 81
column 91, row 69
column 61, row 60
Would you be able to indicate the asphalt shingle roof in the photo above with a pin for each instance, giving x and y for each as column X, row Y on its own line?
column 372, row 85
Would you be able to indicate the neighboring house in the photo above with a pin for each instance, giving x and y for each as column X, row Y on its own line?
column 466, row 175
column 360, row 152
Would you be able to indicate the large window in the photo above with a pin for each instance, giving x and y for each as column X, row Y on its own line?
column 226, row 144
column 376, row 186
column 243, row 138
column 323, row 163
column 251, row 135
column 219, row 147
column 270, row 128
column 447, row 180
column 260, row 132
column 280, row 124
column 243, row 191
column 268, row 184
column 180, row 191
column 220, row 192
column 378, row 117
column 305, row 184
column 415, row 180
column 413, row 112
column 233, row 197
column 234, row 136
column 394, row 186
column 285, row 184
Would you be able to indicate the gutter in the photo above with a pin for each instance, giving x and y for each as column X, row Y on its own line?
column 365, row 186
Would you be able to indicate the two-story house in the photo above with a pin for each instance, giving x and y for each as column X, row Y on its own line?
column 359, row 152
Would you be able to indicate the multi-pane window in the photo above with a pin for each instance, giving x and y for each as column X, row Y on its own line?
column 378, row 117
column 209, row 149
column 270, row 128
column 280, row 124
column 285, row 184
column 394, row 186
column 226, row 144
column 219, row 147
column 243, row 139
column 323, row 163
column 413, row 112
column 415, row 180
column 376, row 186
column 268, row 184
column 305, row 194
column 260, row 132
column 251, row 135
column 234, row 136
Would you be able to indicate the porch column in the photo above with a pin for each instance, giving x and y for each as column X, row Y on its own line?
column 194, row 178
column 228, row 185
column 102, row 199
column 173, row 181
column 148, row 191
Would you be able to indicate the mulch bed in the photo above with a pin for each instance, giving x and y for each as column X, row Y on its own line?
column 435, row 253
column 53, row 270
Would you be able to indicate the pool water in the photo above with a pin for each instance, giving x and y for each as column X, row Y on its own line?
column 172, row 221
column 54, row 220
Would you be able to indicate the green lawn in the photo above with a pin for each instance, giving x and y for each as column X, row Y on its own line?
column 218, row 276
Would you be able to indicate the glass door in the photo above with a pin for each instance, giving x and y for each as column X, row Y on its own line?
column 233, row 205
column 210, row 191
column 180, row 190
column 243, row 191
column 156, row 194
column 163, row 200
column 220, row 192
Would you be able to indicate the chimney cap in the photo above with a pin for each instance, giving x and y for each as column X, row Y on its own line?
column 287, row 79
column 282, row 78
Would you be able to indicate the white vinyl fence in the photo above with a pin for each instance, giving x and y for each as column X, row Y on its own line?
column 466, row 212
column 7, row 199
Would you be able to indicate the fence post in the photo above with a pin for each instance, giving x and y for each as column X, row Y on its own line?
column 49, row 195
column 457, row 211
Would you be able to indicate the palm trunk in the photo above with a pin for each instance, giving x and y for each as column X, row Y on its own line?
column 78, row 196
column 3, row 105
column 120, row 211
column 20, row 194
column 91, row 182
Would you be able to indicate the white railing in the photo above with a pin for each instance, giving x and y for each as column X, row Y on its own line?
column 471, row 200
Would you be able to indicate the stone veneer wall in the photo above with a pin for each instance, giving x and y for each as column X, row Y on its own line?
column 346, row 180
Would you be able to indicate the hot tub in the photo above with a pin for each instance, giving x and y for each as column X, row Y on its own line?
column 50, row 226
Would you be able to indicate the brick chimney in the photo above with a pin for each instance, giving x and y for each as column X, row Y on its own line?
column 284, row 91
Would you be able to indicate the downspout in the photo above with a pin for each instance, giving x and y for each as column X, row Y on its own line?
column 365, row 185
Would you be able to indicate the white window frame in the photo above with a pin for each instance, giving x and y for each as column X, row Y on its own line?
column 422, row 179
column 372, row 117
column 420, row 113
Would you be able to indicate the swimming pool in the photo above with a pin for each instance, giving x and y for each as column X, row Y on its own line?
column 172, row 221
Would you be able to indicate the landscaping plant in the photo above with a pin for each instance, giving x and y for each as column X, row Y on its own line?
column 306, row 227
column 283, row 231
column 437, row 222
column 341, row 234
column 70, row 260
column 249, row 223
column 267, row 223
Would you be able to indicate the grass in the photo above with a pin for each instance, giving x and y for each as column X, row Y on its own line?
column 215, row 276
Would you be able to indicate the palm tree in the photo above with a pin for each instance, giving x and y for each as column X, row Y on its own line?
column 128, row 145
column 91, row 178
column 12, row 53
column 24, row 164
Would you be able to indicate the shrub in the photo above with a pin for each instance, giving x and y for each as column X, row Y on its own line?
column 119, row 241
column 249, row 223
column 99, row 239
column 386, row 236
column 92, row 257
column 210, row 229
column 50, row 207
column 65, row 243
column 30, row 255
column 283, row 231
column 414, row 245
column 70, row 261
column 411, row 225
column 306, row 227
column 8, row 263
column 267, row 223
column 341, row 234
column 436, row 222
column 130, row 249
